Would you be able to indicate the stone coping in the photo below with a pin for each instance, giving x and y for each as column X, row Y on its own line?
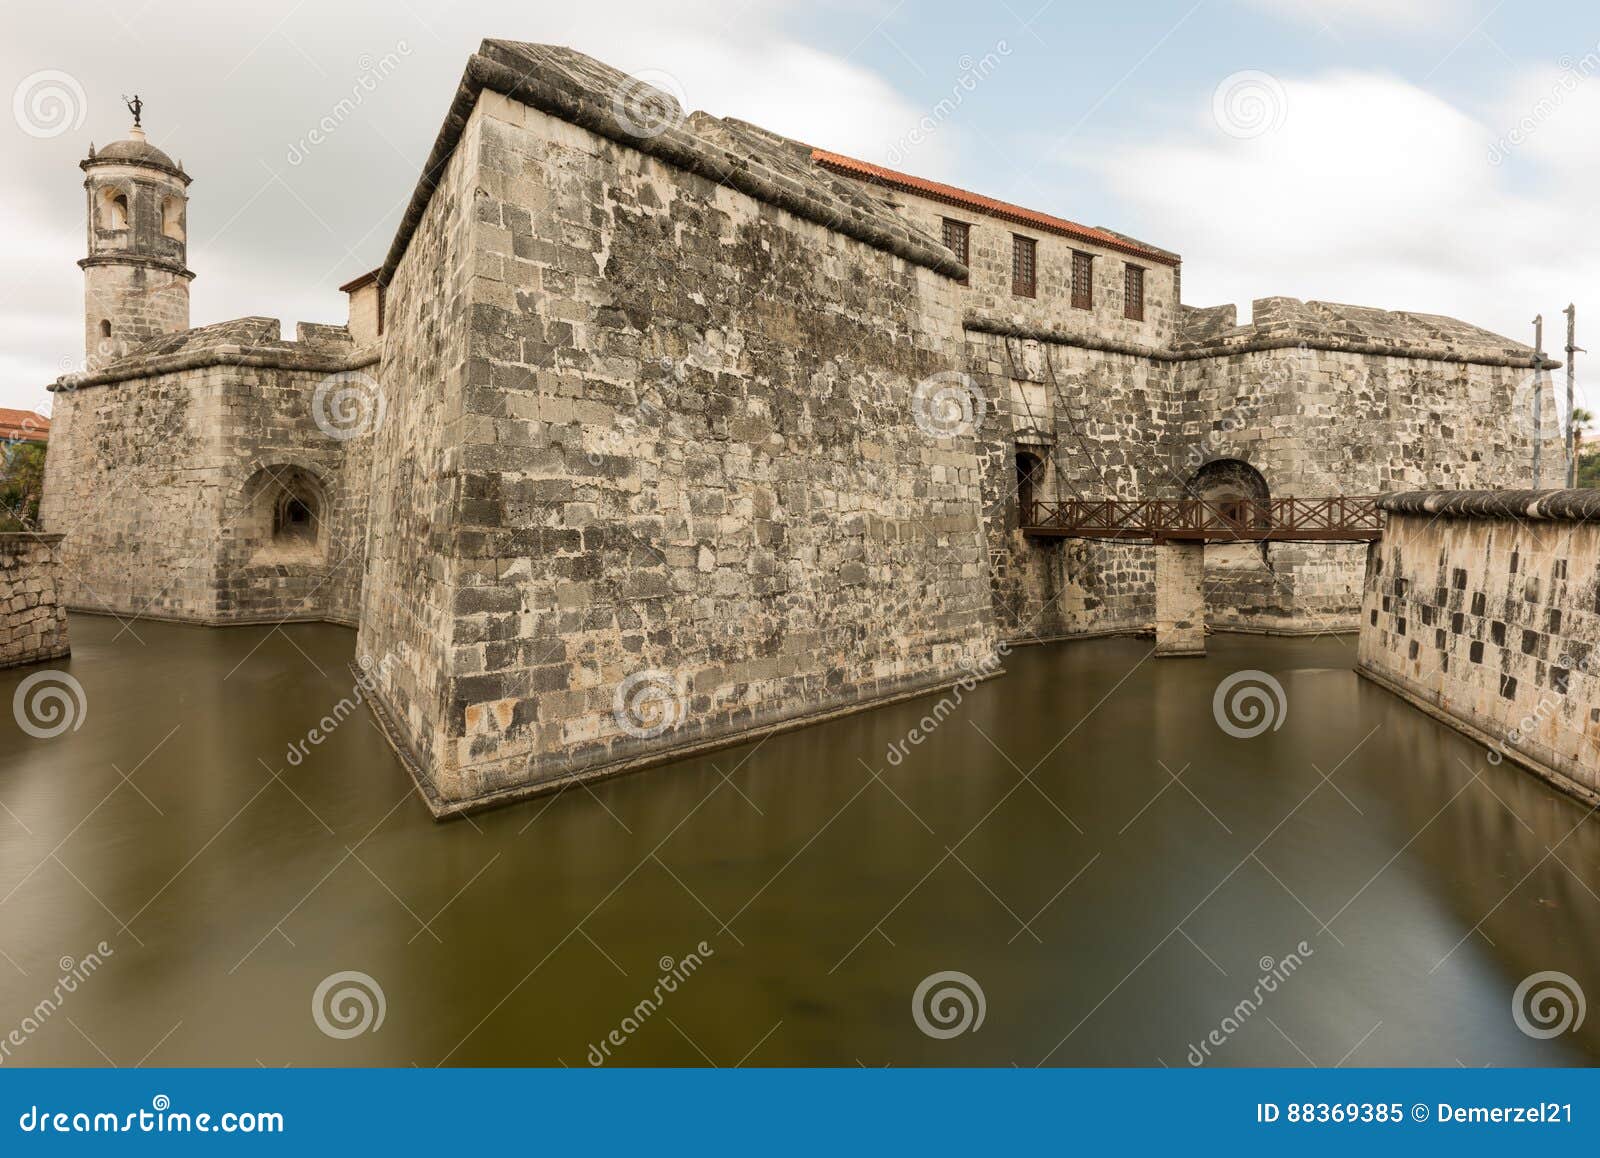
column 281, row 356
column 976, row 323
column 1572, row 506
column 582, row 91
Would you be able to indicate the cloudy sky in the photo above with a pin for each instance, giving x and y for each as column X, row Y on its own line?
column 1434, row 155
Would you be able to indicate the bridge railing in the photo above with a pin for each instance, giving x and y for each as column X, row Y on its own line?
column 1337, row 518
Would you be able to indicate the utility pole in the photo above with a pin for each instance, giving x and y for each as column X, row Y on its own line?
column 1572, row 429
column 1538, row 399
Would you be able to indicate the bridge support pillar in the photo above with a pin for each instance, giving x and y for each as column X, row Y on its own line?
column 1180, row 599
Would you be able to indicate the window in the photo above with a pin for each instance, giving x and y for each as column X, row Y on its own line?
column 1082, row 280
column 114, row 213
column 105, row 327
column 1023, row 266
column 957, row 236
column 1133, row 293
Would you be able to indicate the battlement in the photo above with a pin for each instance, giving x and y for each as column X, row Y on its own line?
column 1279, row 322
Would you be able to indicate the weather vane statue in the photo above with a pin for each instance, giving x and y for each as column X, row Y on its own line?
column 135, row 106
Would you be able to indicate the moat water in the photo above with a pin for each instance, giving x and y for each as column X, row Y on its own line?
column 1359, row 886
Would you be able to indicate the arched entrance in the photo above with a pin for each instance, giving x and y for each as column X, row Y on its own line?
column 286, row 517
column 1237, row 490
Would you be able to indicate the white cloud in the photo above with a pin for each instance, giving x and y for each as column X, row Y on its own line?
column 1375, row 192
column 272, row 238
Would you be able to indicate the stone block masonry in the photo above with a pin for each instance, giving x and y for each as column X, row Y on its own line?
column 1180, row 599
column 668, row 434
column 688, row 496
column 33, row 621
column 1483, row 609
column 177, row 470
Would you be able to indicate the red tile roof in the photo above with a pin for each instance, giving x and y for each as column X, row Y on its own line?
column 23, row 426
column 978, row 203
column 356, row 283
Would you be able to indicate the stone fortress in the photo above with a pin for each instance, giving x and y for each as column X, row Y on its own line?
column 656, row 432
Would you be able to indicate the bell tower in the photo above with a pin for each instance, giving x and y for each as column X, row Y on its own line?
column 136, row 277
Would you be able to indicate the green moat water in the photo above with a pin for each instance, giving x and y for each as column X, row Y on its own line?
column 1036, row 843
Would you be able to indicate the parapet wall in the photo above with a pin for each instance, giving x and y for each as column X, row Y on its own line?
column 33, row 621
column 1483, row 608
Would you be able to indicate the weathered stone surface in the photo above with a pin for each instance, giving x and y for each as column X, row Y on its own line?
column 33, row 621
column 166, row 482
column 1484, row 608
column 675, row 421
column 1180, row 599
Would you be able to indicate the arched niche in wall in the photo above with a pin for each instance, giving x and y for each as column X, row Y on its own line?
column 286, row 516
column 1239, row 495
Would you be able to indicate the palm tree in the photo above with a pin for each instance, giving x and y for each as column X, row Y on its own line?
column 1581, row 421
column 1588, row 473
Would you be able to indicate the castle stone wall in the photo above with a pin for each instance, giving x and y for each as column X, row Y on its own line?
column 33, row 622
column 1325, row 422
column 1484, row 609
column 1312, row 421
column 693, row 497
column 165, row 483
column 408, row 614
column 1094, row 421
column 134, row 481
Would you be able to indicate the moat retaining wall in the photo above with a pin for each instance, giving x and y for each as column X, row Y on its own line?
column 33, row 621
column 1483, row 608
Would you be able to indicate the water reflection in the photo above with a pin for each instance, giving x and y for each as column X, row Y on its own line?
column 1079, row 838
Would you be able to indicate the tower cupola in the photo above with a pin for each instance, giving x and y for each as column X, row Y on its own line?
column 136, row 276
